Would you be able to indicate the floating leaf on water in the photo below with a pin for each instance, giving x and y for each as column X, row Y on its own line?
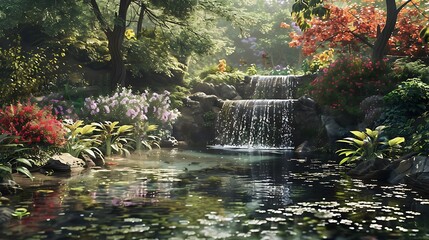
column 45, row 191
column 133, row 220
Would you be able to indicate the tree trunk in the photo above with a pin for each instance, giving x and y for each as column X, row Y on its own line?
column 115, row 37
column 140, row 20
column 379, row 49
column 118, row 70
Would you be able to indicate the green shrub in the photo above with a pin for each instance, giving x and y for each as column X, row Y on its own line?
column 25, row 73
column 420, row 138
column 410, row 98
column 369, row 145
column 404, row 69
column 11, row 158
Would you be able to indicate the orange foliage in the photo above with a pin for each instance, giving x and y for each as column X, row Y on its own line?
column 352, row 27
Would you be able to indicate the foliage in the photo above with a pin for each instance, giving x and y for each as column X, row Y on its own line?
column 405, row 110
column 404, row 69
column 145, row 137
column 420, row 138
column 114, row 137
column 354, row 28
column 25, row 73
column 60, row 107
column 251, row 70
column 81, row 140
column 178, row 95
column 410, row 98
column 302, row 10
column 319, row 61
column 148, row 54
column 11, row 159
column 129, row 108
column 368, row 145
column 221, row 67
column 20, row 213
column 347, row 81
column 32, row 125
column 279, row 70
column 229, row 76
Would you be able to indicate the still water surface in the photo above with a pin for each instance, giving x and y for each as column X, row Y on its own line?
column 212, row 194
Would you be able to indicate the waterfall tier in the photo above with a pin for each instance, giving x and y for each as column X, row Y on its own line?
column 274, row 87
column 259, row 124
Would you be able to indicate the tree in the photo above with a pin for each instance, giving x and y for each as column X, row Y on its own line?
column 306, row 10
column 354, row 28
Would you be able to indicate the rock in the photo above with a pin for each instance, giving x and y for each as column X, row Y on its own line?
column 9, row 187
column 206, row 101
column 304, row 147
column 333, row 129
column 196, row 124
column 169, row 142
column 419, row 181
column 307, row 124
column 207, row 88
column 378, row 169
column 64, row 163
column 225, row 91
column 408, row 167
column 372, row 108
column 5, row 214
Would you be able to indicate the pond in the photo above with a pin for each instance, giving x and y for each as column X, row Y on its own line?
column 213, row 194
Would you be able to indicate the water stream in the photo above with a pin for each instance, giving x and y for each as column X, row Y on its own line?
column 263, row 122
column 183, row 194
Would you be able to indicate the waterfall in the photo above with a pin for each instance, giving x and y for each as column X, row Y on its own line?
column 263, row 122
column 273, row 87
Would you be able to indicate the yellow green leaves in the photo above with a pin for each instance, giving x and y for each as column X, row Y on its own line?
column 367, row 145
column 396, row 141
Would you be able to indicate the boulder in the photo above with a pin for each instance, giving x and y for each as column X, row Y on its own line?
column 334, row 130
column 206, row 101
column 307, row 124
column 64, row 163
column 196, row 125
column 377, row 169
column 207, row 88
column 225, row 91
column 409, row 167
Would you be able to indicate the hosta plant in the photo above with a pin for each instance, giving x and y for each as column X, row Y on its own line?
column 81, row 140
column 369, row 145
column 10, row 158
column 114, row 137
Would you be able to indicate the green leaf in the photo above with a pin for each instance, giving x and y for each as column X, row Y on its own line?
column 25, row 161
column 124, row 128
column 346, row 152
column 360, row 135
column 5, row 168
column 371, row 133
column 396, row 141
column 25, row 171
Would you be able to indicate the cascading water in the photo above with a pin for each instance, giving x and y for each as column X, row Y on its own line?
column 262, row 123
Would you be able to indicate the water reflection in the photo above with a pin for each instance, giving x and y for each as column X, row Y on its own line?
column 218, row 195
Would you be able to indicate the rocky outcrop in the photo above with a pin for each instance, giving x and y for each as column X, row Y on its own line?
column 307, row 124
column 414, row 171
column 196, row 126
column 221, row 90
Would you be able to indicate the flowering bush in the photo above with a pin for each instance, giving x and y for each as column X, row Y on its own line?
column 129, row 108
column 60, row 107
column 32, row 125
column 320, row 61
column 347, row 81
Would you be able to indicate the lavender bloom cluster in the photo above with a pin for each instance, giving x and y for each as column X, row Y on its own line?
column 129, row 108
